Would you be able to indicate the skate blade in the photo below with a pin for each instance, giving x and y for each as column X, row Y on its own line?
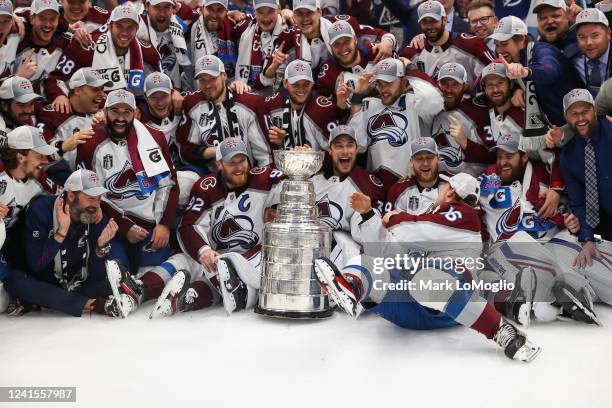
column 528, row 352
column 341, row 299
column 224, row 277
column 587, row 311
column 114, row 287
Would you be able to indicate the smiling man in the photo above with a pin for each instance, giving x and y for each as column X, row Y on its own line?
column 297, row 116
column 117, row 55
column 43, row 45
column 17, row 104
column 66, row 131
column 74, row 11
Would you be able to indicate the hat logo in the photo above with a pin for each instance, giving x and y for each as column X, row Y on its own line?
column 25, row 85
column 300, row 67
column 93, row 177
column 384, row 66
column 428, row 5
column 583, row 14
column 575, row 93
column 421, row 141
column 505, row 138
column 156, row 80
column 452, row 68
column 230, row 144
column 121, row 94
column 338, row 27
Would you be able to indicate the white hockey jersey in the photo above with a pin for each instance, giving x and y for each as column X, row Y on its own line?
column 389, row 130
column 408, row 196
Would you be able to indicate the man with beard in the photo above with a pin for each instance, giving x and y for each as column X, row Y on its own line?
column 65, row 246
column 215, row 112
column 161, row 28
column 586, row 169
column 549, row 64
column 312, row 43
column 402, row 293
column 391, row 122
column 66, row 131
column 17, row 99
column 349, row 60
column 452, row 81
column 134, row 164
column 593, row 61
column 297, row 116
column 417, row 193
column 213, row 34
column 222, row 231
column 532, row 249
column 117, row 55
column 259, row 40
column 442, row 46
column 43, row 44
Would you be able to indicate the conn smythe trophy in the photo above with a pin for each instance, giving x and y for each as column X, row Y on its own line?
column 291, row 243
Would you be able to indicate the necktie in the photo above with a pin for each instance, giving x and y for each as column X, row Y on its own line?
column 590, row 179
column 594, row 76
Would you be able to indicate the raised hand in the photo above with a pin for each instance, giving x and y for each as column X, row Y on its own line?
column 28, row 67
column 456, row 131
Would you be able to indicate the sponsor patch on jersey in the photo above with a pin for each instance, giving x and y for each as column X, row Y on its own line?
column 2, row 187
column 413, row 203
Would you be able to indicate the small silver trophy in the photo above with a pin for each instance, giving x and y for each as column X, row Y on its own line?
column 291, row 243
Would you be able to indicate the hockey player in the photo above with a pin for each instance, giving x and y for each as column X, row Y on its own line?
column 9, row 41
column 162, row 29
column 259, row 39
column 66, row 131
column 390, row 123
column 312, row 42
column 65, row 244
column 134, row 164
column 215, row 112
column 298, row 116
column 17, row 98
column 82, row 11
column 416, row 194
column 349, row 60
column 442, row 46
column 452, row 81
column 116, row 55
column 334, row 188
column 451, row 231
column 513, row 193
column 43, row 44
column 222, row 230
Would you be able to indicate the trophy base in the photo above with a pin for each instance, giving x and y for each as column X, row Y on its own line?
column 323, row 314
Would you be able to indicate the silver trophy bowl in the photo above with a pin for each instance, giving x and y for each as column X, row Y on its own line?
column 298, row 164
column 291, row 243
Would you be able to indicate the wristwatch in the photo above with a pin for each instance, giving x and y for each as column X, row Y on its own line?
column 101, row 252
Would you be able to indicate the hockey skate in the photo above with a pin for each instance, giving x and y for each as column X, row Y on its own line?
column 515, row 344
column 576, row 305
column 121, row 282
column 177, row 296
column 337, row 287
column 520, row 303
column 233, row 290
column 119, row 306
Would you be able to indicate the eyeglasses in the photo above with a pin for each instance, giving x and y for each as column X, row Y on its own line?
column 481, row 21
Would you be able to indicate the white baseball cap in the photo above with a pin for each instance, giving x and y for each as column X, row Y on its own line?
column 311, row 5
column 465, row 185
column 550, row 3
column 388, row 70
column 508, row 27
column 209, row 64
column 298, row 70
column 340, row 29
column 87, row 76
column 454, row 71
column 157, row 82
column 266, row 3
column 28, row 137
column 590, row 16
column 431, row 8
column 6, row 8
column 38, row 6
column 124, row 12
column 577, row 95
column 19, row 89
column 120, row 96
column 86, row 181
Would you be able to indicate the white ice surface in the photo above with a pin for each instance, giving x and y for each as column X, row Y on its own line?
column 205, row 359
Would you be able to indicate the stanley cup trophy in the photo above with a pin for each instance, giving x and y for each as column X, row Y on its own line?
column 291, row 243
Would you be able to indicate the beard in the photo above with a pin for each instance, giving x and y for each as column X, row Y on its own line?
column 435, row 36
column 117, row 134
column 212, row 26
column 516, row 174
column 85, row 215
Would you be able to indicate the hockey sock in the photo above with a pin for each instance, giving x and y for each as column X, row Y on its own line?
column 205, row 298
column 153, row 285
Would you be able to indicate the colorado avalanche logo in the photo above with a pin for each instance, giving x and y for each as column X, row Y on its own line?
column 233, row 231
column 123, row 185
column 330, row 213
column 507, row 224
column 389, row 126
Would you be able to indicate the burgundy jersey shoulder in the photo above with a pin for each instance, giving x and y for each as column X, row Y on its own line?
column 398, row 188
column 517, row 115
column 264, row 178
column 192, row 99
column 409, row 52
column 322, row 110
column 209, row 188
column 328, row 74
column 251, row 100
column 86, row 151
column 475, row 109
column 186, row 13
column 475, row 46
column 368, row 184
column 149, row 54
column 274, row 101
column 48, row 116
column 97, row 15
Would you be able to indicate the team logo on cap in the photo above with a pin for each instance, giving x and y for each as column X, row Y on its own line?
column 4, row 3
column 48, row 2
column 121, row 93
column 421, row 141
column 584, row 14
column 156, row 79
column 339, row 26
column 93, row 177
column 504, row 139
column 428, row 5
column 452, row 68
column 300, row 67
column 500, row 25
column 576, row 93
column 231, row 144
column 25, row 84
column 383, row 66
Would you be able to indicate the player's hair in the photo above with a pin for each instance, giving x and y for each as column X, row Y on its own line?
column 470, row 200
column 9, row 156
column 476, row 4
